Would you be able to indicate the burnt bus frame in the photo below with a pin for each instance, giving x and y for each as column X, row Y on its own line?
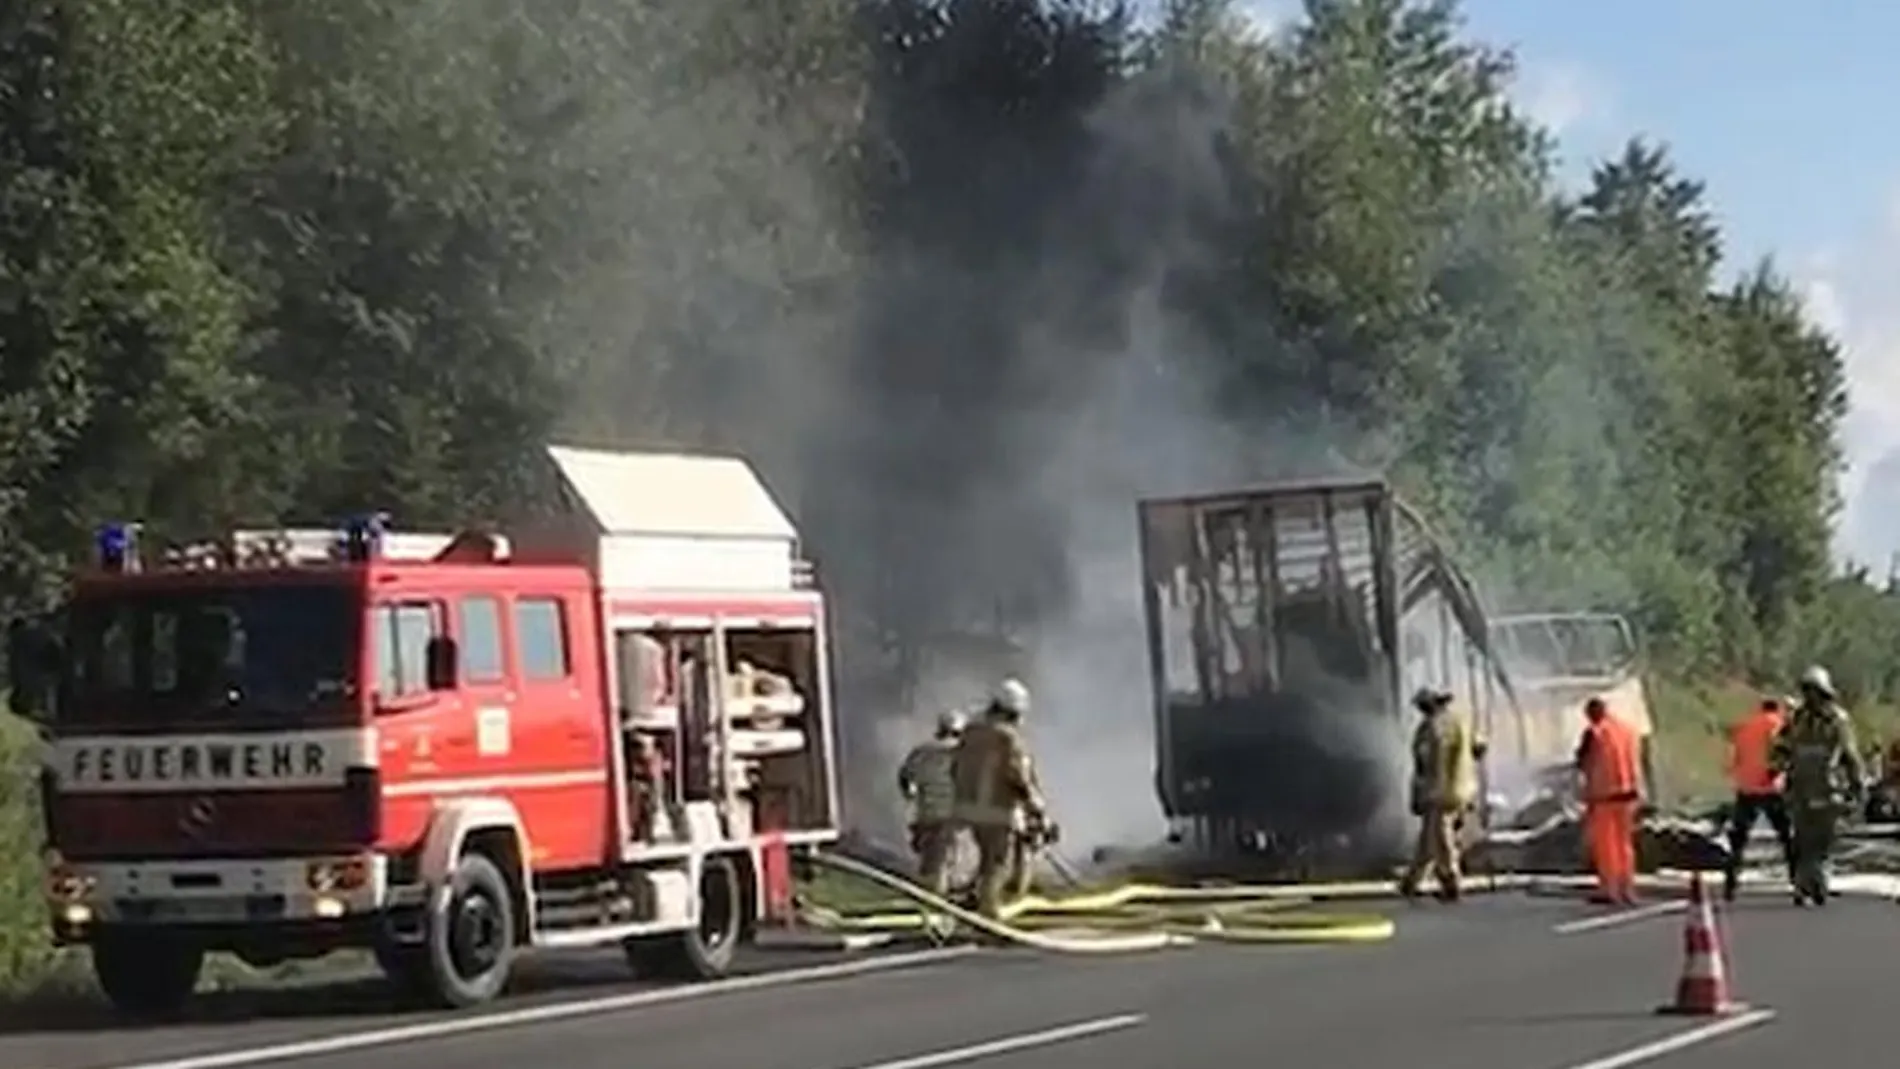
column 1261, row 504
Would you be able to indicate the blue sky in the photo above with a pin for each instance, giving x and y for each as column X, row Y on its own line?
column 1780, row 115
column 1769, row 106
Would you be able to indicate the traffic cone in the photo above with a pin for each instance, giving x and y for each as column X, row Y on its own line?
column 1702, row 991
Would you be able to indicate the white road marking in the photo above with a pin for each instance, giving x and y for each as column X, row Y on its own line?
column 561, row 1011
column 1010, row 1044
column 1627, row 916
column 1714, row 1030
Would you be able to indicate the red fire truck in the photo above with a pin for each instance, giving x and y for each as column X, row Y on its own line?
column 612, row 726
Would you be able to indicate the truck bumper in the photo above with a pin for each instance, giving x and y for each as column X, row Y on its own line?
column 216, row 893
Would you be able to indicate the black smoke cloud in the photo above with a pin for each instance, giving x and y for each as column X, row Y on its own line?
column 960, row 357
column 1019, row 387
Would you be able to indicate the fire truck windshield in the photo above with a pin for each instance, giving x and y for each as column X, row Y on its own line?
column 209, row 655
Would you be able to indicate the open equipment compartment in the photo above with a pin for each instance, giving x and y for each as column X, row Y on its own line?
column 719, row 656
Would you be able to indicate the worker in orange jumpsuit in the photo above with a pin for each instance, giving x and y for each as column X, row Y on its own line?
column 1608, row 756
column 1757, row 788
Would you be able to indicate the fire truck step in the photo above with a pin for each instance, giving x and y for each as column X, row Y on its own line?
column 815, row 940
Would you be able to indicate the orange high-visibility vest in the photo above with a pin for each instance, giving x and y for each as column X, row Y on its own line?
column 1609, row 768
column 1749, row 743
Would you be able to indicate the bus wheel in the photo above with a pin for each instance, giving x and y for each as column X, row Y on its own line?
column 146, row 973
column 705, row 951
column 471, row 935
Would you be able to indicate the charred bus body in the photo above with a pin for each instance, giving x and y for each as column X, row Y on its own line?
column 1286, row 625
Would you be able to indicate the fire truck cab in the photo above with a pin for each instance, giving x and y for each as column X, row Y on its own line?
column 612, row 726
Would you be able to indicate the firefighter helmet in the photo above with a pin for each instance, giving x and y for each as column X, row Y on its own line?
column 1816, row 678
column 1011, row 696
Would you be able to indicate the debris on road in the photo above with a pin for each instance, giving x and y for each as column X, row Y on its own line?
column 1545, row 835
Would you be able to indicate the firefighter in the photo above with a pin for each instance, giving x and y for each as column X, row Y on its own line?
column 997, row 793
column 928, row 784
column 1757, row 788
column 1444, row 788
column 1817, row 754
column 1608, row 758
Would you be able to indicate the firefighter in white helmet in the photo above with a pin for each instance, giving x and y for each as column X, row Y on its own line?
column 928, row 782
column 998, row 795
column 1817, row 753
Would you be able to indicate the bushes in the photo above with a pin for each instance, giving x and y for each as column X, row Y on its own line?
column 26, row 957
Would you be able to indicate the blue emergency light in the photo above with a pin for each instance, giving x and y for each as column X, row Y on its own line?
column 363, row 538
column 118, row 545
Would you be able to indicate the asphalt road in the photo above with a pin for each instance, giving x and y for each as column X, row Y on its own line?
column 1497, row 983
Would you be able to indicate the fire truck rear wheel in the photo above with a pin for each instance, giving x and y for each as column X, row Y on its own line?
column 146, row 973
column 471, row 939
column 705, row 951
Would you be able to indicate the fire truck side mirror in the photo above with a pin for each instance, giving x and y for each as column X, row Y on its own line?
column 32, row 668
column 443, row 663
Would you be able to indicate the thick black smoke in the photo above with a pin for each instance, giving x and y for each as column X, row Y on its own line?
column 1019, row 386
column 960, row 355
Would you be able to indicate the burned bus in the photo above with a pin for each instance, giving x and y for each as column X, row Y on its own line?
column 1286, row 627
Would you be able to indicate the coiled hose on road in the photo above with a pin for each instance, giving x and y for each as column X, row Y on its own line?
column 1129, row 918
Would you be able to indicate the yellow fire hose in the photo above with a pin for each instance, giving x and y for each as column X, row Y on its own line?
column 1132, row 917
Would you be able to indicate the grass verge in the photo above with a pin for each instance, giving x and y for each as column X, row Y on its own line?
column 1692, row 722
column 28, row 962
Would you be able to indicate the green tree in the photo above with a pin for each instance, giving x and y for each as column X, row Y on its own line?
column 123, row 329
column 1792, row 400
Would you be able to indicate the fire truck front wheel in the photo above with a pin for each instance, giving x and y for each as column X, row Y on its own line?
column 146, row 972
column 471, row 935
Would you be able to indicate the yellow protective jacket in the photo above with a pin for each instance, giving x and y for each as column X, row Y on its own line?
column 995, row 776
column 1444, row 763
